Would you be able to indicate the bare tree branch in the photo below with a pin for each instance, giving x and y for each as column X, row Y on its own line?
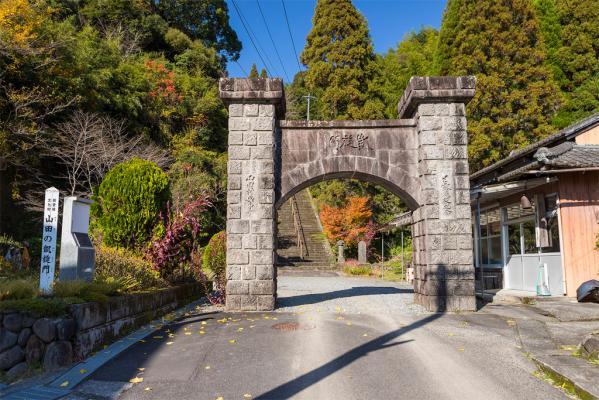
column 89, row 145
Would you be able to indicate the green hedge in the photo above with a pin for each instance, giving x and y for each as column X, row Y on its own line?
column 214, row 259
column 129, row 202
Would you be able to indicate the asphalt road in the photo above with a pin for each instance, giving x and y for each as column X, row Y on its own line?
column 332, row 338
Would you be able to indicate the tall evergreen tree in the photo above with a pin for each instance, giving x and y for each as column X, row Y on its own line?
column 263, row 73
column 340, row 60
column 499, row 41
column 414, row 56
column 551, row 31
column 577, row 57
column 253, row 71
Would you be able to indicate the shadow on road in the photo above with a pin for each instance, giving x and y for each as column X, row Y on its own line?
column 308, row 379
column 314, row 298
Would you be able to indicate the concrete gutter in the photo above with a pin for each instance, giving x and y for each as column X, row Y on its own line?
column 559, row 362
column 581, row 375
column 56, row 386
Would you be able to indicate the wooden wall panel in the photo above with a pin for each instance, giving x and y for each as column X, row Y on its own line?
column 589, row 137
column 579, row 207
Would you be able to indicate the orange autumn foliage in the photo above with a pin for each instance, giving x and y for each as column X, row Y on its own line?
column 350, row 223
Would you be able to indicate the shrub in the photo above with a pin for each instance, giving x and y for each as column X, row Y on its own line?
column 214, row 260
column 53, row 307
column 18, row 289
column 198, row 172
column 133, row 272
column 179, row 241
column 129, row 202
column 89, row 291
column 363, row 270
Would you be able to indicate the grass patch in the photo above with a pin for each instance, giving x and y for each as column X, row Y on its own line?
column 357, row 270
column 530, row 301
column 53, row 307
column 18, row 289
column 94, row 291
column 559, row 382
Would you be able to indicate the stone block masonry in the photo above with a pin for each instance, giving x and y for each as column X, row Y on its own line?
column 444, row 273
column 29, row 340
column 421, row 157
column 254, row 105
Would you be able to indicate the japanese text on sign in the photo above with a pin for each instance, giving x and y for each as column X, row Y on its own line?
column 348, row 140
column 48, row 257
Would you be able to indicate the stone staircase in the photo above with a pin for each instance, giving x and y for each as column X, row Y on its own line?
column 316, row 251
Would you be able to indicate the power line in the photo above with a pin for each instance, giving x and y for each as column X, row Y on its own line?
column 291, row 36
column 251, row 36
column 272, row 41
column 241, row 68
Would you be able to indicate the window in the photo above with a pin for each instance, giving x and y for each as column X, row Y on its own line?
column 490, row 235
column 521, row 228
column 515, row 244
column 530, row 238
column 552, row 225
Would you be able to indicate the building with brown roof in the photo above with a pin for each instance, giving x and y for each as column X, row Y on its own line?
column 536, row 214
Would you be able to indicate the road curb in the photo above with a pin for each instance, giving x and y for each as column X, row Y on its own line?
column 586, row 385
column 79, row 372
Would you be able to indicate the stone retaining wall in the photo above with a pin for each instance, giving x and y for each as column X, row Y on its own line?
column 27, row 340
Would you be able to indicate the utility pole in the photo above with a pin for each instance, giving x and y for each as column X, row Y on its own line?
column 309, row 97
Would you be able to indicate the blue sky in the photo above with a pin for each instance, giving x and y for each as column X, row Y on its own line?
column 388, row 20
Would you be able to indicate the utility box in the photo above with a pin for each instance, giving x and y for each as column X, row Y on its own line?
column 77, row 254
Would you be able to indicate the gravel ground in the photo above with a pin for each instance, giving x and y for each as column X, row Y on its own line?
column 350, row 295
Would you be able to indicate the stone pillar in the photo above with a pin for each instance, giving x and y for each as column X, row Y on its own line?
column 442, row 237
column 340, row 252
column 362, row 252
column 254, row 105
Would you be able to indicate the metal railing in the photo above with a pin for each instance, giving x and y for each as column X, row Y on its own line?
column 299, row 230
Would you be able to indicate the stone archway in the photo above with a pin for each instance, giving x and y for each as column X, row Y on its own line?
column 421, row 157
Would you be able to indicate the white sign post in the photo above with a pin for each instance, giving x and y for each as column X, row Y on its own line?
column 49, row 240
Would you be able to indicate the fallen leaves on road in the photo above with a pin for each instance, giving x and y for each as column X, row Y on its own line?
column 187, row 333
column 203, row 323
column 511, row 322
column 232, row 341
column 141, row 369
column 461, row 349
column 220, row 398
column 64, row 384
column 247, row 396
column 365, row 335
column 136, row 380
column 82, row 371
column 169, row 343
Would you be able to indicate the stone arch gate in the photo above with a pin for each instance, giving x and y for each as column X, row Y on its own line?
column 421, row 157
